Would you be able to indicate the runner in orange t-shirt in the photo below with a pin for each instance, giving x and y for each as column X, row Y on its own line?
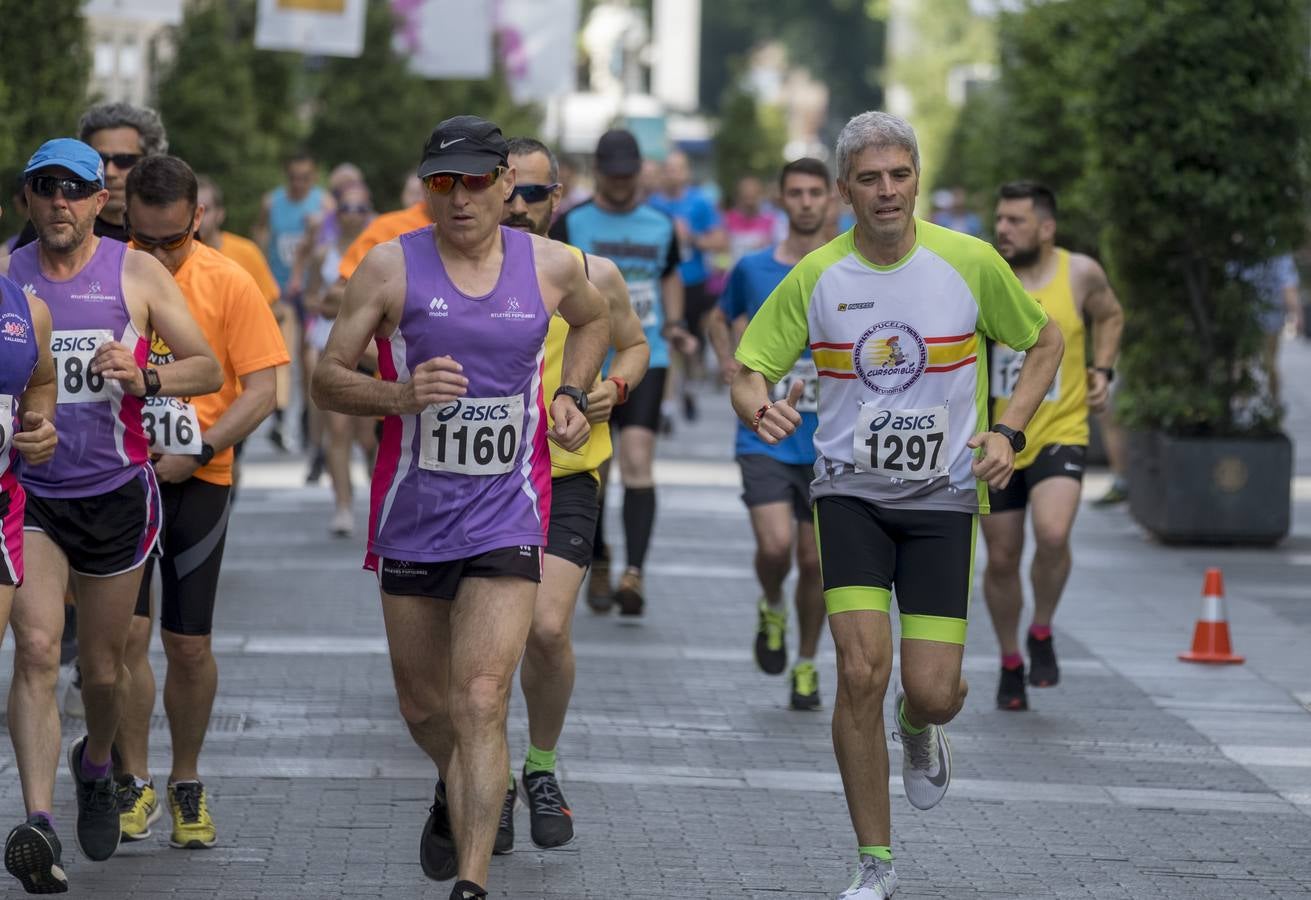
column 191, row 443
column 380, row 231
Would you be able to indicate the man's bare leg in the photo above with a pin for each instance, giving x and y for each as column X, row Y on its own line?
column 1003, row 532
column 809, row 593
column 1054, row 503
column 133, row 739
column 931, row 679
column 863, row 640
column 419, row 640
column 190, row 685
column 105, row 613
column 547, row 675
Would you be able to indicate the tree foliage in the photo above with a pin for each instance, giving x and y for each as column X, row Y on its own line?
column 43, row 75
column 749, row 141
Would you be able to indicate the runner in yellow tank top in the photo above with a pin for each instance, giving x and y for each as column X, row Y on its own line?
column 548, row 662
column 1049, row 471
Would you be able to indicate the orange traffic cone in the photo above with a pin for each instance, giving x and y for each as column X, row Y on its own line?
column 1211, row 636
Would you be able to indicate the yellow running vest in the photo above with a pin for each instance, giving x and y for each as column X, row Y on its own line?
column 597, row 450
column 1062, row 417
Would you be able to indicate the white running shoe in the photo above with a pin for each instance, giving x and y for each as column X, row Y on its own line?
column 343, row 523
column 925, row 761
column 875, row 880
column 72, row 705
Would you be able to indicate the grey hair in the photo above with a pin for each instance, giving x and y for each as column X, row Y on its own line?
column 874, row 129
column 154, row 142
column 522, row 146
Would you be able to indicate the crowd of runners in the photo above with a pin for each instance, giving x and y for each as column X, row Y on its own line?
column 489, row 348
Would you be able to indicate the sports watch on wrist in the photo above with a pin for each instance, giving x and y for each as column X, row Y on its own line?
column 574, row 394
column 1017, row 438
column 206, row 454
column 151, row 378
column 1108, row 371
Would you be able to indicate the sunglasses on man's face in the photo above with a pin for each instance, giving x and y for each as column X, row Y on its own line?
column 71, row 188
column 533, row 193
column 150, row 244
column 444, row 182
column 121, row 161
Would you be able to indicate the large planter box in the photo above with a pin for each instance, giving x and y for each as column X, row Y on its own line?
column 1211, row 490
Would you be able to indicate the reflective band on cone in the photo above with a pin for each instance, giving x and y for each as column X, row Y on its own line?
column 1211, row 642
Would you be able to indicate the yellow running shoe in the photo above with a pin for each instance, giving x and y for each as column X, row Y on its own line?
column 193, row 829
column 138, row 808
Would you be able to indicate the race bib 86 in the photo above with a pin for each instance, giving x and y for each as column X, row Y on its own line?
column 472, row 436
column 73, row 352
column 910, row 444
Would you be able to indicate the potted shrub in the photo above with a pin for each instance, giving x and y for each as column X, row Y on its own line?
column 1196, row 112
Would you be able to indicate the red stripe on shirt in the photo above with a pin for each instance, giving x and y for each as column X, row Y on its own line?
column 825, row 373
column 826, row 346
column 956, row 365
column 949, row 340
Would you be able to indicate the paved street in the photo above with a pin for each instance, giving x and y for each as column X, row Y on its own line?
column 1138, row 777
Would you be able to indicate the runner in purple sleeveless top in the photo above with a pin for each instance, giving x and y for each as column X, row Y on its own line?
column 93, row 510
column 462, row 485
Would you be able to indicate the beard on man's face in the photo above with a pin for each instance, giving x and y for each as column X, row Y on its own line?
column 521, row 221
column 1022, row 256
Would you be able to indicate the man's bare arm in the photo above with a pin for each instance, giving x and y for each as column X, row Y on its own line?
column 632, row 354
column 42, row 392
column 1101, row 305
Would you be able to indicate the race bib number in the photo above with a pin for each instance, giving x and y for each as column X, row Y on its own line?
column 287, row 245
column 803, row 371
column 472, row 436
column 171, row 426
column 73, row 352
column 1004, row 371
column 6, row 430
column 910, row 444
column 643, row 295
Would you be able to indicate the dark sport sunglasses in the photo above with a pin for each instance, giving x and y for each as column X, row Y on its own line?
column 149, row 244
column 71, row 188
column 533, row 193
column 444, row 182
column 121, row 160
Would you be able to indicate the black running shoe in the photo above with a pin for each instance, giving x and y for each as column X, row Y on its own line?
column 437, row 846
column 32, row 855
column 1010, row 690
column 98, row 829
column 505, row 828
column 552, row 820
column 805, row 687
column 1043, row 671
column 467, row 890
column 771, row 643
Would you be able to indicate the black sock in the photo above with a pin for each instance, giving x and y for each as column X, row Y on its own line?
column 600, row 550
column 639, row 520
column 467, row 890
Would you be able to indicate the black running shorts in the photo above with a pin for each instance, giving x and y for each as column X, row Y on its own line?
column 195, row 529
column 766, row 480
column 441, row 580
column 643, row 407
column 107, row 534
column 575, row 506
column 1052, row 461
column 867, row 549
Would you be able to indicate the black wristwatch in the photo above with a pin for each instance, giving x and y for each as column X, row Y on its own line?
column 1017, row 439
column 1108, row 371
column 206, row 453
column 151, row 377
column 574, row 394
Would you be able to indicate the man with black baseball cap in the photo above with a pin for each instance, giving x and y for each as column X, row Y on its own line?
column 642, row 241
column 462, row 484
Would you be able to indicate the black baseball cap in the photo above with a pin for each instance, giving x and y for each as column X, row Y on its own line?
column 464, row 144
column 617, row 153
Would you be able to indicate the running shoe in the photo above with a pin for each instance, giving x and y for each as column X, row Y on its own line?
column 1010, row 690
column 599, row 596
column 343, row 524
column 437, row 845
column 925, row 761
column 805, row 686
column 875, row 880
column 629, row 594
column 1118, row 492
column 138, row 808
column 1043, row 671
column 552, row 820
column 771, row 648
column 467, row 890
column 505, row 828
column 317, row 464
column 32, row 855
column 689, row 407
column 98, row 830
column 73, row 706
column 193, row 829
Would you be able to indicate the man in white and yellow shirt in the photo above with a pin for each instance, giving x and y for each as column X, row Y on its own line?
column 896, row 313
column 1048, row 475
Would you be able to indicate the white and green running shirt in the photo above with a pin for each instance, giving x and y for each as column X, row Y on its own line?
column 900, row 350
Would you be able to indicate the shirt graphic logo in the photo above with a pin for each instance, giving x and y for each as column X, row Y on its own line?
column 866, row 304
column 95, row 287
column 512, row 311
column 29, row 288
column 438, row 309
column 890, row 357
column 13, row 328
column 446, row 144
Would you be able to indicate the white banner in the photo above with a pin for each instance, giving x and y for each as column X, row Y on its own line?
column 445, row 38
column 537, row 40
column 326, row 27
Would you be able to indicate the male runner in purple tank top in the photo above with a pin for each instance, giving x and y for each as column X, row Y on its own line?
column 461, row 489
column 93, row 510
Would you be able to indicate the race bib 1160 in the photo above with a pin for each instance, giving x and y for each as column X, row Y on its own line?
column 472, row 436
column 910, row 444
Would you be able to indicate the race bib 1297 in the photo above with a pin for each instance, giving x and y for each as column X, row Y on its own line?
column 909, row 444
column 472, row 436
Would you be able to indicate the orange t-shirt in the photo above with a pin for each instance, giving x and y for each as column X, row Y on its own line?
column 380, row 231
column 247, row 254
column 240, row 329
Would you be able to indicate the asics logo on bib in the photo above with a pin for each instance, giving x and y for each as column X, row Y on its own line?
column 893, row 422
column 73, row 343
column 890, row 357
column 495, row 412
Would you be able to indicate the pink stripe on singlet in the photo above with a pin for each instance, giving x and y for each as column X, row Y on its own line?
column 11, row 529
column 133, row 437
column 540, row 475
column 387, row 459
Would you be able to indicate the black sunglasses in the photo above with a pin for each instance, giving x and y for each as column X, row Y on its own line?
column 71, row 188
column 121, row 160
column 533, row 193
column 148, row 244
